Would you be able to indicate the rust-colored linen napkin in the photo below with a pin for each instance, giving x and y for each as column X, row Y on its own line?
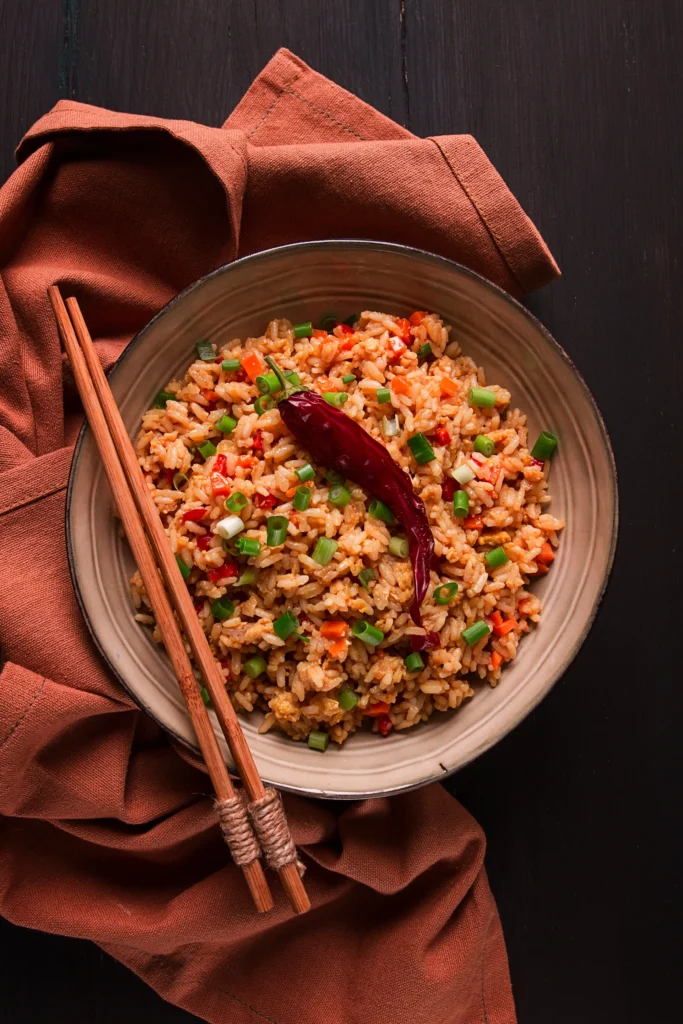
column 106, row 832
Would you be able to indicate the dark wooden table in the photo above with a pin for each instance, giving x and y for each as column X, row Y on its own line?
column 578, row 103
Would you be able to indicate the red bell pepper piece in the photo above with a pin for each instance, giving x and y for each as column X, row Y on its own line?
column 204, row 542
column 220, row 464
column 194, row 515
column 448, row 488
column 219, row 485
column 257, row 443
column 396, row 349
column 266, row 501
column 442, row 436
column 385, row 725
column 375, row 710
column 225, row 572
column 344, row 329
column 404, row 329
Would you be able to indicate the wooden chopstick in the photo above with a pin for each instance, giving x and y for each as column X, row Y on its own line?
column 179, row 594
column 173, row 641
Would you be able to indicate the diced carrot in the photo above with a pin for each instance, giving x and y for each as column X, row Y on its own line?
column 547, row 554
column 400, row 387
column 253, row 364
column 448, row 387
column 541, row 568
column 348, row 344
column 473, row 523
column 496, row 660
column 417, row 318
column 375, row 710
column 524, row 606
column 210, row 396
column 338, row 649
column 505, row 627
column 334, row 630
column 318, row 333
column 324, row 383
column 497, row 618
column 246, row 461
column 291, row 492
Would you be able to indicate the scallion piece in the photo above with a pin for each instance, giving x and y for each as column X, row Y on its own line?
column 206, row 697
column 185, row 570
column 229, row 527
column 208, row 449
column 497, row 557
column 414, row 662
column 379, row 510
column 421, row 449
column 334, row 476
column 324, row 550
column 445, row 593
column 303, row 330
column 484, row 445
column 461, row 504
column 348, row 378
column 231, row 365
column 222, row 609
column 248, row 546
column 246, row 579
column 368, row 633
column 318, row 740
column 391, row 427
column 474, row 633
column 481, row 398
column 276, row 531
column 544, row 447
column 236, row 502
column 305, row 472
column 347, row 698
column 339, row 496
column 424, row 353
column 255, row 666
column 335, row 398
column 328, row 323
column 264, row 404
column 268, row 384
column 302, row 498
column 383, row 395
column 226, row 424
column 179, row 479
column 292, row 376
column 285, row 625
column 399, row 546
column 162, row 398
column 205, row 351
column 364, row 578
column 463, row 474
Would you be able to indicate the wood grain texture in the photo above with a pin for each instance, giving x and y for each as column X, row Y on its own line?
column 578, row 105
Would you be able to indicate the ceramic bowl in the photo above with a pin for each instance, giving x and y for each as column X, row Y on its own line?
column 304, row 282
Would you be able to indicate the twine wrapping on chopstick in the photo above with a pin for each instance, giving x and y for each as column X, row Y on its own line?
column 268, row 817
column 237, row 830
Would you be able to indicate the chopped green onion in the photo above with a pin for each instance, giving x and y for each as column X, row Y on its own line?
column 205, row 351
column 461, row 504
column 335, row 398
column 334, row 476
column 445, row 593
column 292, row 376
column 222, row 609
column 276, row 531
column 399, row 546
column 379, row 510
column 348, row 378
column 185, row 570
column 300, row 636
column 484, row 445
column 463, row 474
column 208, row 449
column 248, row 546
column 383, row 395
column 544, row 447
column 162, row 398
column 247, row 577
column 268, row 384
column 414, row 662
column 368, row 633
column 347, row 698
column 231, row 365
column 226, row 424
column 303, row 330
column 285, row 625
column 497, row 557
column 302, row 498
column 424, row 352
column 229, row 527
column 206, row 696
column 236, row 502
column 264, row 404
column 305, row 472
column 179, row 479
column 364, row 578
column 328, row 323
column 255, row 666
column 391, row 427
column 421, row 449
column 481, row 397
column 318, row 740
column 324, row 550
column 339, row 496
column 473, row 634
column 351, row 320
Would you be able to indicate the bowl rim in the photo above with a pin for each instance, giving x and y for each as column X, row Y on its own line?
column 369, row 245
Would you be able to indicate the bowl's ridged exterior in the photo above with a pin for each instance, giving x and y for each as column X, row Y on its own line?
column 304, row 282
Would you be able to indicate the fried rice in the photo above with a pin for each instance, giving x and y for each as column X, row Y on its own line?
column 299, row 687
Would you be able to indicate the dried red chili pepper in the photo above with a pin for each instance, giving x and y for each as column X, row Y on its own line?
column 337, row 442
column 448, row 489
column 428, row 642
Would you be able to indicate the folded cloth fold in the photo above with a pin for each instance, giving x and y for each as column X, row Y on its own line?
column 107, row 833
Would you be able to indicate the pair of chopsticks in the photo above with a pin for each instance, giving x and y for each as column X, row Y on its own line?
column 152, row 552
